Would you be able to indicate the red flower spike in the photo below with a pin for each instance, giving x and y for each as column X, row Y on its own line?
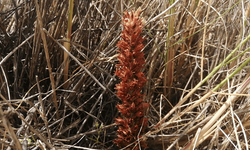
column 131, row 60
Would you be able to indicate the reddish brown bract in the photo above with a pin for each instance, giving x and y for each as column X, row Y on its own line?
column 131, row 60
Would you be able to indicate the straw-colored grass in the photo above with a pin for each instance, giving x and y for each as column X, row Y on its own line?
column 197, row 57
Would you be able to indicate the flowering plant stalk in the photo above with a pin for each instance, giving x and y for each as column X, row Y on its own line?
column 131, row 61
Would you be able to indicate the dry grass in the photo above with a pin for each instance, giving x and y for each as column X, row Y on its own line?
column 193, row 103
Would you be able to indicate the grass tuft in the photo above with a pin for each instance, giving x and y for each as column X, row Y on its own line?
column 197, row 70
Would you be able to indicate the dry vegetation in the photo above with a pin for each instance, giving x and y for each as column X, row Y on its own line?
column 198, row 95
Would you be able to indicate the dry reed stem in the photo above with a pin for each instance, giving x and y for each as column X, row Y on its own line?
column 40, row 24
column 170, row 54
column 187, row 44
column 203, row 41
column 43, row 115
column 67, row 44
